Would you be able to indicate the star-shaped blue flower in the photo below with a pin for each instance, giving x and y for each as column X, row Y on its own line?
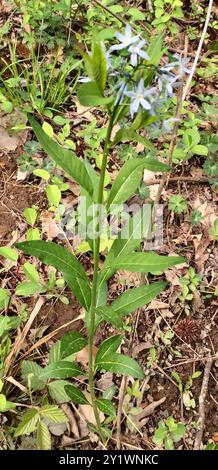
column 125, row 40
column 138, row 97
column 136, row 51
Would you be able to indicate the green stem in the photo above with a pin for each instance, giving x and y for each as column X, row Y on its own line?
column 95, row 278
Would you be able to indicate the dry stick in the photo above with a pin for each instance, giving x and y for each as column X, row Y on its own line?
column 202, row 398
column 186, row 88
column 180, row 101
column 119, row 410
column 22, row 336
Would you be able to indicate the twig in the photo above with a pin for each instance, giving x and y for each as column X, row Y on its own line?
column 178, row 179
column 186, row 88
column 202, row 398
column 104, row 7
column 119, row 410
column 22, row 336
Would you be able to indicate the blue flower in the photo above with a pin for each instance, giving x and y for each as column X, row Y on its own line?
column 166, row 82
column 136, row 51
column 125, row 40
column 168, row 123
column 138, row 97
column 181, row 64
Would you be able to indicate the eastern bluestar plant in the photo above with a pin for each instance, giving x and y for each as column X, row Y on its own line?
column 130, row 94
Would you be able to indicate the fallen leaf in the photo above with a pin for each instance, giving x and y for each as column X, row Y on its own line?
column 83, row 356
column 49, row 225
column 72, row 420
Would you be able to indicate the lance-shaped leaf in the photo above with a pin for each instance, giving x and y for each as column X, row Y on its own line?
column 76, row 395
column 128, row 239
column 105, row 313
column 128, row 134
column 99, row 65
column 65, row 158
column 71, row 343
column 90, row 95
column 63, row 261
column 106, row 406
column 129, row 177
column 60, row 370
column 108, row 346
column 146, row 262
column 135, row 298
column 128, row 302
column 120, row 364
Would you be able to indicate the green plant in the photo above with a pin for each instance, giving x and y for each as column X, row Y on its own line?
column 189, row 284
column 122, row 254
column 189, row 146
column 38, row 419
column 185, row 390
column 165, row 11
column 196, row 217
column 177, row 203
column 38, row 85
column 168, row 433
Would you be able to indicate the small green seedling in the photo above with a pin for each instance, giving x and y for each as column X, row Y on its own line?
column 196, row 217
column 185, row 391
column 189, row 284
column 168, row 433
column 177, row 204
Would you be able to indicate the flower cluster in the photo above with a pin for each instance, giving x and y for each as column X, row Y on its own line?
column 151, row 99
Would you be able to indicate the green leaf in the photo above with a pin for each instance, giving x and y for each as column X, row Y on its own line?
column 135, row 298
column 136, row 14
column 65, row 158
column 71, row 343
column 4, row 298
column 53, row 194
column 127, row 134
column 47, row 128
column 28, row 423
column 160, row 434
column 25, row 289
column 9, row 253
column 90, row 95
column 63, row 261
column 32, row 234
column 154, row 50
column 30, row 215
column 200, row 150
column 129, row 177
column 6, row 405
column 178, row 432
column 57, row 391
column 99, row 65
column 128, row 239
column 43, row 437
column 106, row 407
column 53, row 414
column 31, row 272
column 146, row 262
column 45, row 175
column 106, row 313
column 120, row 364
column 109, row 346
column 76, row 395
column 30, row 373
column 60, row 370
